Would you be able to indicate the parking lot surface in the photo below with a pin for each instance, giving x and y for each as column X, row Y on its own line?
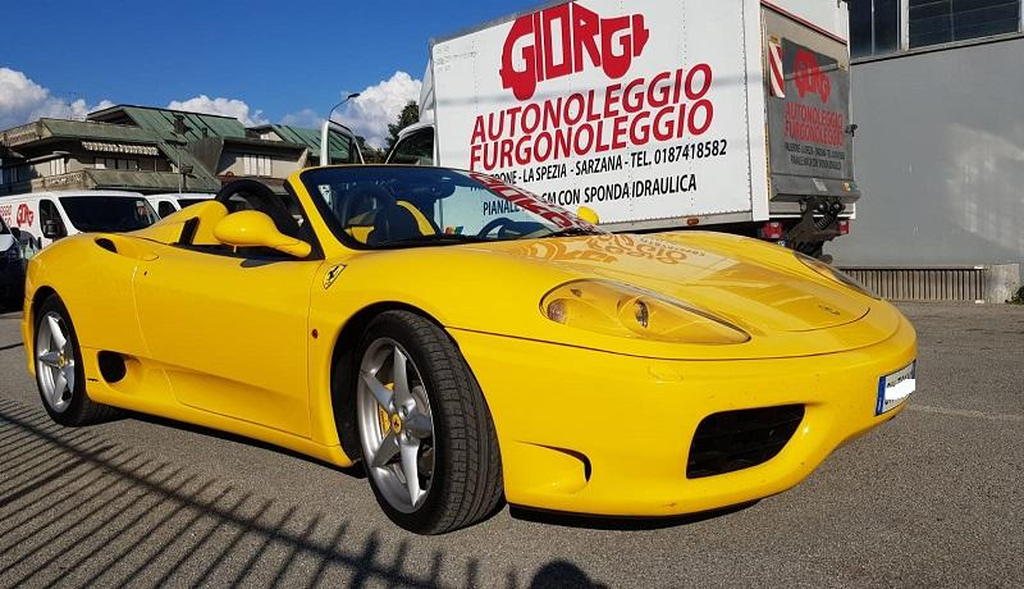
column 935, row 497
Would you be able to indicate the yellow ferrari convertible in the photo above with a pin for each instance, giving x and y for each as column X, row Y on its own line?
column 470, row 344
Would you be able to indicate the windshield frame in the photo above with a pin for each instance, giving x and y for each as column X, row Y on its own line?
column 63, row 200
column 489, row 183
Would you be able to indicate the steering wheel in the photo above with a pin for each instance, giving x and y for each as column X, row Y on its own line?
column 259, row 197
column 499, row 223
column 362, row 193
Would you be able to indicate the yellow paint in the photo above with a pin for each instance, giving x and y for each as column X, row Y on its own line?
column 256, row 229
column 221, row 343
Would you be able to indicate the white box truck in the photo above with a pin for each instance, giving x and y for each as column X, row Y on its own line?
column 656, row 114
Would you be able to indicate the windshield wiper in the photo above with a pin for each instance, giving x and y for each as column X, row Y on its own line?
column 570, row 232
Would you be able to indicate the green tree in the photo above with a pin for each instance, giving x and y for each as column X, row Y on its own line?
column 409, row 115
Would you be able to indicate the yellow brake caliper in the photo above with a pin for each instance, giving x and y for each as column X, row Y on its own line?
column 382, row 414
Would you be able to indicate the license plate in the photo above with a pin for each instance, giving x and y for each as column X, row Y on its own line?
column 895, row 388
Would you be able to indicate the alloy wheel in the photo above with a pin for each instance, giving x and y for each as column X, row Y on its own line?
column 55, row 362
column 396, row 425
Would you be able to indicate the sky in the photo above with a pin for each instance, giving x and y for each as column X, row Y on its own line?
column 256, row 60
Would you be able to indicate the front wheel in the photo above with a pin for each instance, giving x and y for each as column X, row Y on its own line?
column 428, row 441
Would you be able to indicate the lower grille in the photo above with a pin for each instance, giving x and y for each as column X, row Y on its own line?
column 733, row 440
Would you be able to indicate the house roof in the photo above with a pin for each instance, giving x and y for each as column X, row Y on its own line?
column 161, row 121
column 311, row 139
column 67, row 129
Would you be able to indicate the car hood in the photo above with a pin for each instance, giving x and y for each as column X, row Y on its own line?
column 787, row 308
column 746, row 292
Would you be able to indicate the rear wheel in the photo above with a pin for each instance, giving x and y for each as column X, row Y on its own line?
column 59, row 372
column 428, row 441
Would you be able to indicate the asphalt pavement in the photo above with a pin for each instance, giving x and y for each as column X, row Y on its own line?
column 934, row 498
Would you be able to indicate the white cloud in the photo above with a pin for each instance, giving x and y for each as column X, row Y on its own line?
column 230, row 107
column 306, row 117
column 23, row 101
column 379, row 105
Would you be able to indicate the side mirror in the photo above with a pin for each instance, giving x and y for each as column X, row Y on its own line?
column 256, row 229
column 589, row 215
column 51, row 229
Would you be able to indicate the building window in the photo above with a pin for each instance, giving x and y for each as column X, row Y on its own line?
column 945, row 21
column 111, row 163
column 256, row 165
column 874, row 27
column 58, row 166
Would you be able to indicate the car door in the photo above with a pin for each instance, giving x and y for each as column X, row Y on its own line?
column 230, row 330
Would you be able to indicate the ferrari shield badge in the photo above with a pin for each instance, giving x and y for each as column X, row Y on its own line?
column 332, row 275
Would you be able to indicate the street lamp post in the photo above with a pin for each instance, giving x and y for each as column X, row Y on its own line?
column 324, row 148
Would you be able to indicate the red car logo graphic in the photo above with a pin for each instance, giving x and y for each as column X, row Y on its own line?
column 808, row 76
column 560, row 40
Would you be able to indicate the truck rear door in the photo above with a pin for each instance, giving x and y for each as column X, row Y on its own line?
column 807, row 71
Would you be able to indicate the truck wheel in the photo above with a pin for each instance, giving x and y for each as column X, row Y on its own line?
column 428, row 441
column 59, row 372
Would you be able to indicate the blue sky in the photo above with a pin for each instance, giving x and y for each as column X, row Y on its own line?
column 279, row 61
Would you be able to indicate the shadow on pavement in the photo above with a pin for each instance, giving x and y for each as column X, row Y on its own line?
column 78, row 510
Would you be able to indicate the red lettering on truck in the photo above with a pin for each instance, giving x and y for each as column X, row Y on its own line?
column 668, row 106
column 809, row 78
column 560, row 40
column 25, row 216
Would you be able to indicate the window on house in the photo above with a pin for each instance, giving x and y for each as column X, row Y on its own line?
column 256, row 165
column 874, row 27
column 58, row 166
column 111, row 163
column 945, row 21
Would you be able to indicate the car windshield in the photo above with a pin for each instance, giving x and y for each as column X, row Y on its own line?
column 397, row 206
column 187, row 202
column 108, row 213
column 3, row 227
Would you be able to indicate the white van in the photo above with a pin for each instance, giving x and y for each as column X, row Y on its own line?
column 170, row 203
column 40, row 218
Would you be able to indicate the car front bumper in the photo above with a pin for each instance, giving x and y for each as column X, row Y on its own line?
column 597, row 433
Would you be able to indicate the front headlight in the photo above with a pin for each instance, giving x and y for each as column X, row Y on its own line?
column 834, row 274
column 613, row 308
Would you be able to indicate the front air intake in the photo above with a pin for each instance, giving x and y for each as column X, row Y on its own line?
column 733, row 440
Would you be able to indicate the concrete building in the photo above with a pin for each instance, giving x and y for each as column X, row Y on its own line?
column 52, row 154
column 154, row 150
column 937, row 96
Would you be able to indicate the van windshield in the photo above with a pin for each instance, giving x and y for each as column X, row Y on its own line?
column 3, row 227
column 108, row 213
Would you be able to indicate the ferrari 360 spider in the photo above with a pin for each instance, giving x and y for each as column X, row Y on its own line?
column 471, row 344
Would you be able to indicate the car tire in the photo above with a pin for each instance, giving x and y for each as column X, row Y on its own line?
column 62, row 386
column 458, row 462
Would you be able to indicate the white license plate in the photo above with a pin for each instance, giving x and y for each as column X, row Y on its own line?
column 895, row 388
